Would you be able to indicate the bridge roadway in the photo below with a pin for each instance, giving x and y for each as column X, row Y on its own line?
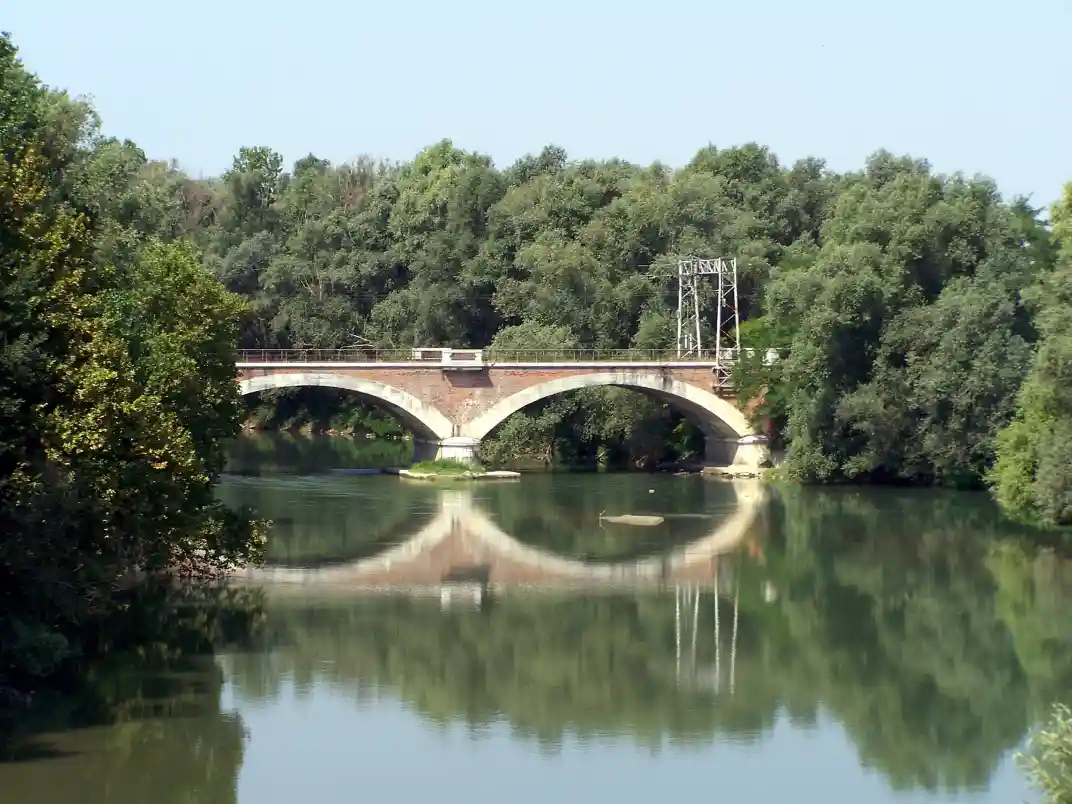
column 464, row 537
column 450, row 399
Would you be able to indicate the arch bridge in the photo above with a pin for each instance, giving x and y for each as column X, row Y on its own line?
column 450, row 399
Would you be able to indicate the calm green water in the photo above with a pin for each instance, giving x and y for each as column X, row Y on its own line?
column 866, row 646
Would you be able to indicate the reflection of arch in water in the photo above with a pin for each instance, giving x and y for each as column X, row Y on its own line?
column 482, row 537
column 722, row 539
column 436, row 531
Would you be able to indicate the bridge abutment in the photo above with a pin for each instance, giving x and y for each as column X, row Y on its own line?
column 745, row 452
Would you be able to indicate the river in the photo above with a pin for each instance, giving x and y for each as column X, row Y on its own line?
column 759, row 645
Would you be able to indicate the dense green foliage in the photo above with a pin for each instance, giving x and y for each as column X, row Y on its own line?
column 117, row 384
column 1033, row 473
column 1049, row 763
column 909, row 343
column 909, row 307
column 924, row 323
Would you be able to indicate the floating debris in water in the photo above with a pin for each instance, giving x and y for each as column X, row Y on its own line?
column 632, row 519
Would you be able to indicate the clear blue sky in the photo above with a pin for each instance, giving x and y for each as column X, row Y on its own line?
column 980, row 86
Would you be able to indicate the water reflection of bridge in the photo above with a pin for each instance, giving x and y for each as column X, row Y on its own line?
column 463, row 539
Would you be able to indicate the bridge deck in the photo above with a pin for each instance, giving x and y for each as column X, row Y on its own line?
column 438, row 356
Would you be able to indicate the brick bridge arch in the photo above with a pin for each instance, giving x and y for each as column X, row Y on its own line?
column 464, row 535
column 716, row 416
column 451, row 404
column 422, row 419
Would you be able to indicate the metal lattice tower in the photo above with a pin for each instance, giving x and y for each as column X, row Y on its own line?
column 727, row 330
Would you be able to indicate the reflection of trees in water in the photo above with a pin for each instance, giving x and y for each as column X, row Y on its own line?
column 1032, row 601
column 267, row 454
column 900, row 615
column 586, row 665
column 143, row 725
column 895, row 593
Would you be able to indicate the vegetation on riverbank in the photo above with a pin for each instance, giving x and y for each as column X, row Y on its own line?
column 924, row 319
column 1032, row 476
column 117, row 386
column 928, row 324
column 929, row 338
column 1049, row 760
column 319, row 411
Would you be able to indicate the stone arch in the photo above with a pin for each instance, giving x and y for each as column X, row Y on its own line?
column 424, row 420
column 711, row 412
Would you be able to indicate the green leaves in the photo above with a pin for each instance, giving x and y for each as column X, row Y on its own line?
column 894, row 292
column 1049, row 763
column 117, row 381
column 909, row 341
column 1031, row 477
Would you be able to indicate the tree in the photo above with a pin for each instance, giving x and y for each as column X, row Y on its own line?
column 1030, row 476
column 908, row 338
column 1049, row 765
column 896, row 295
column 117, row 383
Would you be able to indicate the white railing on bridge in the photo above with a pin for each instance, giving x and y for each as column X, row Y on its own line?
column 479, row 358
column 446, row 356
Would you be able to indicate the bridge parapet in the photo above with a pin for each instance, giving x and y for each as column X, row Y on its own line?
column 447, row 356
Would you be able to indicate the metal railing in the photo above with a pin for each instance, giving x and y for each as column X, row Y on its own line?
column 486, row 356
column 356, row 355
column 493, row 355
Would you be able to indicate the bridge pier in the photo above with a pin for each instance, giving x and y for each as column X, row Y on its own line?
column 456, row 448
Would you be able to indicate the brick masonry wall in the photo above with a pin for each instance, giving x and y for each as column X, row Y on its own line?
column 464, row 395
